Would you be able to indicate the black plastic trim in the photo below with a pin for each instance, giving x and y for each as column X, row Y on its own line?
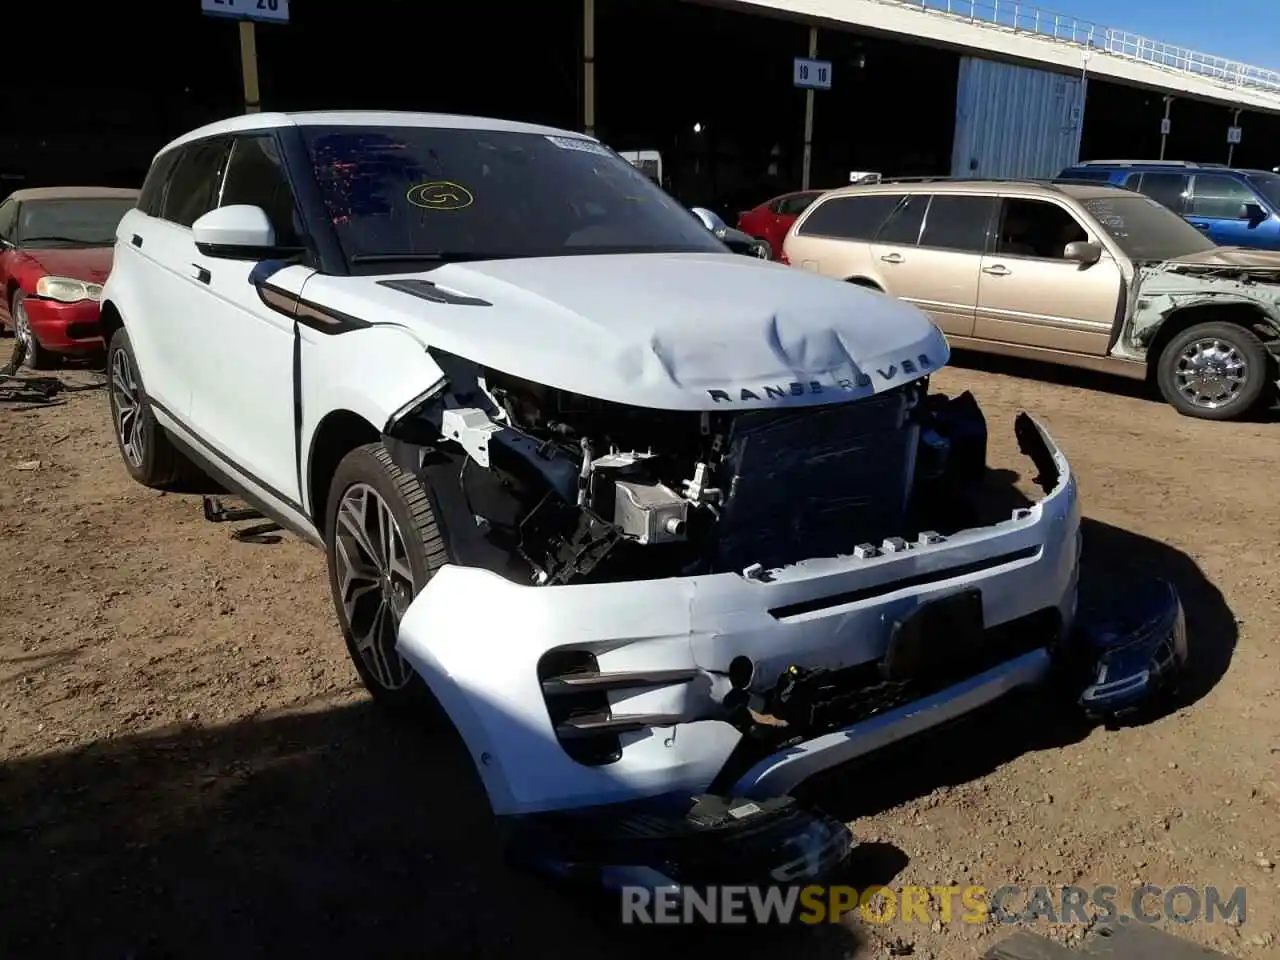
column 426, row 290
column 919, row 580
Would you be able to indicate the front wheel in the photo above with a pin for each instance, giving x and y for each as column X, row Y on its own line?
column 1213, row 371
column 34, row 356
column 383, row 545
column 148, row 454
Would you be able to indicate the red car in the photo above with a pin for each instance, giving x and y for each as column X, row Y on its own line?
column 771, row 220
column 55, row 252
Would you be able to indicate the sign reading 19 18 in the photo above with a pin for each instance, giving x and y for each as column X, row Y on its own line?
column 812, row 74
column 269, row 11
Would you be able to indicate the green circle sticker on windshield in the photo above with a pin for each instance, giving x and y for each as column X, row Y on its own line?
column 440, row 195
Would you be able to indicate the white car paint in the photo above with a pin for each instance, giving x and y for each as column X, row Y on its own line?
column 248, row 389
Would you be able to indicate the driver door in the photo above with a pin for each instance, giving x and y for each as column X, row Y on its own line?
column 1030, row 295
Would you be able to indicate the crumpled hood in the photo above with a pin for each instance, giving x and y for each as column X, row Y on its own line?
column 667, row 331
column 90, row 264
column 1233, row 257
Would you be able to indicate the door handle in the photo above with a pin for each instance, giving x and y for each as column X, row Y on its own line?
column 136, row 240
column 998, row 270
column 203, row 275
column 892, row 258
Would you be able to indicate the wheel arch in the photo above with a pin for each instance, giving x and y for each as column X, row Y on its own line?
column 110, row 320
column 865, row 282
column 338, row 433
column 1243, row 314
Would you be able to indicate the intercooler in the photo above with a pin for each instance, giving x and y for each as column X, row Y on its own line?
column 818, row 481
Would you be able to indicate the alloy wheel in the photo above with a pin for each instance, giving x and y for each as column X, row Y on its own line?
column 375, row 582
column 126, row 401
column 22, row 332
column 1210, row 373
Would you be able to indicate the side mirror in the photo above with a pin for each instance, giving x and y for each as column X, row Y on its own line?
column 1254, row 213
column 237, row 232
column 1083, row 252
column 710, row 220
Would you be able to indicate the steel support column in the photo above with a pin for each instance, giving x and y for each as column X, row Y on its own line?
column 808, row 115
column 589, row 67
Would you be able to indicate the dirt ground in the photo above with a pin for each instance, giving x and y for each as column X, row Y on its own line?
column 188, row 766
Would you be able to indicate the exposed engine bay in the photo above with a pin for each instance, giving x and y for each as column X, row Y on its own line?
column 549, row 487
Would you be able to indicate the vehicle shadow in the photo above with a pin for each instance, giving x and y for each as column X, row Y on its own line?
column 1045, row 372
column 989, row 738
column 336, row 832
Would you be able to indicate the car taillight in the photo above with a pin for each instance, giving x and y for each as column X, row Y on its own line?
column 782, row 258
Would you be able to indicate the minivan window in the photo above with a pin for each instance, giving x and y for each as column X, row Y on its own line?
column 1167, row 189
column 958, row 222
column 1216, row 197
column 193, row 186
column 1146, row 230
column 902, row 229
column 849, row 218
column 256, row 176
column 400, row 196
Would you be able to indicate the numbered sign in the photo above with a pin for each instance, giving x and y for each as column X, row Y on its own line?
column 1233, row 134
column 812, row 74
column 269, row 11
column 1166, row 127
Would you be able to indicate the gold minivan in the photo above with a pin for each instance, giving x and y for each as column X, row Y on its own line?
column 1086, row 275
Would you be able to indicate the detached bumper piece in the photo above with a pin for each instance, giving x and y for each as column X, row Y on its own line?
column 1138, row 651
column 701, row 842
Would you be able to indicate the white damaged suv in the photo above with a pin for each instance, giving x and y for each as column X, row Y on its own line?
column 663, row 529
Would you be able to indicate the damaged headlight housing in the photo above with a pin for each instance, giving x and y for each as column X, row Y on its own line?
column 1139, row 651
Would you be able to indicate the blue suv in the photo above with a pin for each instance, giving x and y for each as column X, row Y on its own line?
column 1236, row 208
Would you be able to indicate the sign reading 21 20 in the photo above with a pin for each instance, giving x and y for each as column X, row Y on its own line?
column 269, row 11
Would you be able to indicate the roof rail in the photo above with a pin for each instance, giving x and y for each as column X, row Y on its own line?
column 960, row 180
column 1142, row 163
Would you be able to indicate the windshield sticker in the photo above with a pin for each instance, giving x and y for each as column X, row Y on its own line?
column 585, row 146
column 440, row 195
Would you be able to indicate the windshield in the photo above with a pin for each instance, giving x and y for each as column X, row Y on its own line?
column 402, row 195
column 73, row 222
column 1268, row 185
column 1144, row 230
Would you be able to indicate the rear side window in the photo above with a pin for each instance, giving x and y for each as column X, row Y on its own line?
column 256, row 176
column 151, row 200
column 1167, row 189
column 903, row 227
column 796, row 204
column 849, row 218
column 1216, row 197
column 193, row 186
column 1085, row 173
column 958, row 223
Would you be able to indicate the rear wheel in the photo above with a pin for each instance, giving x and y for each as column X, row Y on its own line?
column 383, row 545
column 35, row 357
column 1213, row 371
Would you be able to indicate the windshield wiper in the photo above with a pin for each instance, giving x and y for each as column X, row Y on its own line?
column 440, row 256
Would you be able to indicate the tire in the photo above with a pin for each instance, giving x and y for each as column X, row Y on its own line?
column 1229, row 350
column 365, row 478
column 37, row 357
column 147, row 451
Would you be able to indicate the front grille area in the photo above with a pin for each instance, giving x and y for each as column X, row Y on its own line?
column 818, row 481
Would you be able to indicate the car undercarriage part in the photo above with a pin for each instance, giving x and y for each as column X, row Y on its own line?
column 215, row 511
column 548, row 487
column 696, row 843
column 34, row 390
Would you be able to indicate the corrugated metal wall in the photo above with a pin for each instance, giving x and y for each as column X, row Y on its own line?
column 1015, row 121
